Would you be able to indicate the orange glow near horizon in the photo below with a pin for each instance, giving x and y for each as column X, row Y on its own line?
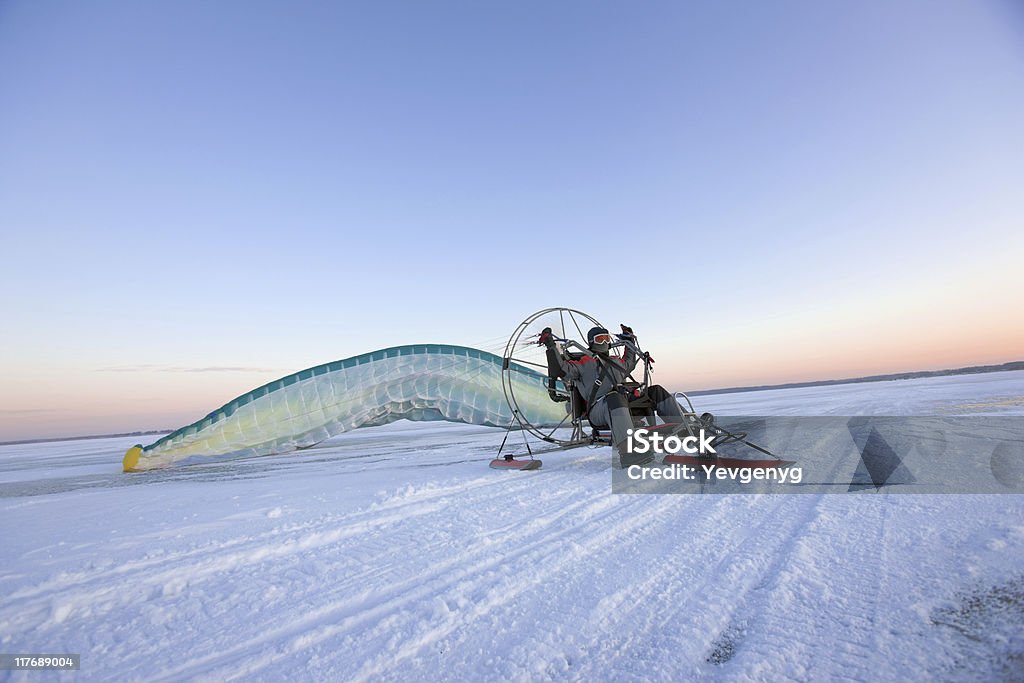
column 889, row 345
column 148, row 401
column 926, row 327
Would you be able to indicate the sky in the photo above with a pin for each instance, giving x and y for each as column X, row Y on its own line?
column 197, row 198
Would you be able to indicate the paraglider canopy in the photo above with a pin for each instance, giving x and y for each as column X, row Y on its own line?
column 413, row 382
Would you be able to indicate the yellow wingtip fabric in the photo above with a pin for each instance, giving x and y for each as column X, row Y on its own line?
column 131, row 458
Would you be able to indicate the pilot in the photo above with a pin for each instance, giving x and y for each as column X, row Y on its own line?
column 600, row 378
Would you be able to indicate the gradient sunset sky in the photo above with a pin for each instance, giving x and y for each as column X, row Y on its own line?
column 197, row 198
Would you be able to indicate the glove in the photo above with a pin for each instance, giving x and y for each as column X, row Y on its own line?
column 627, row 332
column 546, row 339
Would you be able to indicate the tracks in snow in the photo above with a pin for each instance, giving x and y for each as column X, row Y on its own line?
column 482, row 574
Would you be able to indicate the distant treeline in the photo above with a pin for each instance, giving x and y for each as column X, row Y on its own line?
column 974, row 369
column 91, row 436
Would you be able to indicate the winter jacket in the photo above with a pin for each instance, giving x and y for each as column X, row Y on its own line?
column 586, row 371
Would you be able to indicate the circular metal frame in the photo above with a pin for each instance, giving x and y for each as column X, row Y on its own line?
column 522, row 349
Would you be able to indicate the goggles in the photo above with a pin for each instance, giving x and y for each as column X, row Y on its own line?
column 602, row 339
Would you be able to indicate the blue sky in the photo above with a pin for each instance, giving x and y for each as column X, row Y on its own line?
column 766, row 191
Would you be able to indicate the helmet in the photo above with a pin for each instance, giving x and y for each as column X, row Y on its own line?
column 598, row 339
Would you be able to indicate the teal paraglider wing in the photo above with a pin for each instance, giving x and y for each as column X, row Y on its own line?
column 414, row 382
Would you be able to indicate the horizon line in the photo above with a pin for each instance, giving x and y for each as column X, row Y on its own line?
column 1009, row 366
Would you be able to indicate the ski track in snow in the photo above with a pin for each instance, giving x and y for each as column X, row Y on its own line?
column 395, row 554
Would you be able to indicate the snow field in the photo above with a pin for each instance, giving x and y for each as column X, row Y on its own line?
column 396, row 554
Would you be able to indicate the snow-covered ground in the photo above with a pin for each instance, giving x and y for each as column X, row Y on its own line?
column 993, row 393
column 395, row 554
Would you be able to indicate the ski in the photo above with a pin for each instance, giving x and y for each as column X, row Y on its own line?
column 513, row 464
